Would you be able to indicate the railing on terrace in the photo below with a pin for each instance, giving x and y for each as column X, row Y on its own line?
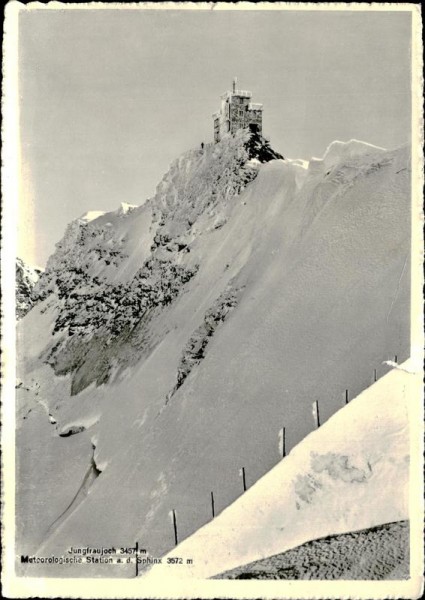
column 254, row 106
column 243, row 93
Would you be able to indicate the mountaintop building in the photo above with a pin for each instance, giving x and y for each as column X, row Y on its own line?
column 237, row 112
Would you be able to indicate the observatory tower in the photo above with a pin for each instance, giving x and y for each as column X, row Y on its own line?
column 237, row 112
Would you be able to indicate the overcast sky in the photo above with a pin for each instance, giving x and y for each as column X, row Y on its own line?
column 110, row 97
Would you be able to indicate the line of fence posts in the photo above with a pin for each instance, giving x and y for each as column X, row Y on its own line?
column 346, row 397
column 316, row 416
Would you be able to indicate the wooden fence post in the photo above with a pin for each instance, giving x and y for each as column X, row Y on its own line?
column 243, row 478
column 316, row 415
column 175, row 527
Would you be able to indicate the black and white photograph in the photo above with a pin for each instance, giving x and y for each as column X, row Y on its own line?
column 212, row 317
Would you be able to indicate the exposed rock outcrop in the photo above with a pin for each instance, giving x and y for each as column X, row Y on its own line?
column 26, row 279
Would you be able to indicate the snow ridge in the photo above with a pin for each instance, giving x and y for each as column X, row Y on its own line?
column 203, row 180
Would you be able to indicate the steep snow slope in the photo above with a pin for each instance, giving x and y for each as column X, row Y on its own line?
column 295, row 290
column 350, row 474
column 26, row 278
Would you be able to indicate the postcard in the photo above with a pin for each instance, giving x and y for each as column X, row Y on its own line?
column 212, row 316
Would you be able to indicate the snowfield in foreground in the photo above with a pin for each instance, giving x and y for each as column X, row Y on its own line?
column 350, row 474
column 377, row 553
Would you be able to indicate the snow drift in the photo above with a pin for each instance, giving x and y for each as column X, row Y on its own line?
column 348, row 475
column 175, row 340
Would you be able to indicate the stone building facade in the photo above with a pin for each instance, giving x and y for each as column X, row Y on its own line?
column 237, row 112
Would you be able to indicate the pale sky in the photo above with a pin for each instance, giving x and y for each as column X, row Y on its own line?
column 109, row 98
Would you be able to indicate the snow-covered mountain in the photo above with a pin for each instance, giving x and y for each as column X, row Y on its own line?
column 174, row 341
column 26, row 278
